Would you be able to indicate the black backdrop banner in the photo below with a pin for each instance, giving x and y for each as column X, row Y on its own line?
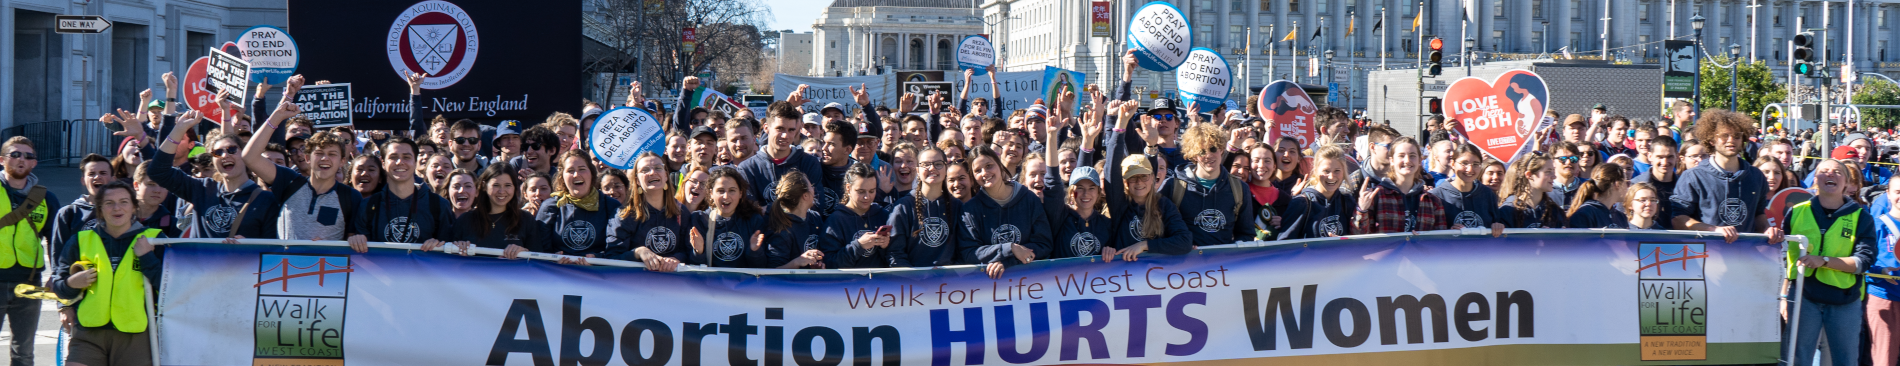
column 488, row 60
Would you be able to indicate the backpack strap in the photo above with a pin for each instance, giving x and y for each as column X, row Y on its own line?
column 1176, row 188
column 1240, row 197
column 239, row 221
column 34, row 198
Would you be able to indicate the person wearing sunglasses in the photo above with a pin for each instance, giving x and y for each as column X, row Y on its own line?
column 1568, row 163
column 227, row 204
column 538, row 146
column 465, row 140
column 314, row 206
column 980, row 107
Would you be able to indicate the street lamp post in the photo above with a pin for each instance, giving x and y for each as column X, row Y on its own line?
column 1543, row 42
column 1734, row 67
column 1469, row 43
column 1696, row 23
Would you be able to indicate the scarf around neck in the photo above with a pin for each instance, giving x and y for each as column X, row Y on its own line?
column 590, row 202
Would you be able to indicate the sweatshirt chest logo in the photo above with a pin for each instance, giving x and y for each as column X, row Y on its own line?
column 935, row 230
column 728, row 247
column 1469, row 219
column 1134, row 227
column 1732, row 213
column 1084, row 243
column 1006, row 234
column 401, row 230
column 660, row 240
column 578, row 235
column 219, row 217
column 811, row 243
column 1328, row 226
column 1210, row 220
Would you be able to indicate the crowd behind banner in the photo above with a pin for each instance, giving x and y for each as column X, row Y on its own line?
column 929, row 181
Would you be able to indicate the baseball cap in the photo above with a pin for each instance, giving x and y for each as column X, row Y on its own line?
column 1852, row 137
column 155, row 104
column 590, row 112
column 1601, row 107
column 1136, row 164
column 1573, row 119
column 831, row 106
column 814, row 119
column 701, row 130
column 1085, row 173
column 1844, row 152
column 1160, row 104
column 505, row 128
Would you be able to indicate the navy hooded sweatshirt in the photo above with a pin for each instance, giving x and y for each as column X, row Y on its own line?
column 1179, row 239
column 1000, row 226
column 69, row 220
column 926, row 234
column 763, row 173
column 783, row 244
column 1475, row 209
column 383, row 217
column 666, row 237
column 1595, row 215
column 1665, row 191
column 731, row 245
column 1545, row 214
column 1213, row 214
column 495, row 233
column 215, row 209
column 1716, row 197
column 1312, row 215
column 574, row 231
column 840, row 242
column 1075, row 236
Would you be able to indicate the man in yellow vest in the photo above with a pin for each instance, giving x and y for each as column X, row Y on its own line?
column 1841, row 238
column 23, row 226
column 114, row 260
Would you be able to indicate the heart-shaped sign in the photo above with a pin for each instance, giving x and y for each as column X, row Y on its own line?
column 197, row 95
column 1290, row 111
column 1498, row 116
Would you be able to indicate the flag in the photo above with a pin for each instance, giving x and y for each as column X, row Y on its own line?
column 1349, row 22
column 1289, row 35
column 1416, row 20
column 1377, row 24
column 1318, row 30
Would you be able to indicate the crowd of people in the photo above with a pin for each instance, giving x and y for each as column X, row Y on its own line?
column 926, row 182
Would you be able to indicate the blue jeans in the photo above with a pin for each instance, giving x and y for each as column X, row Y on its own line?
column 1842, row 324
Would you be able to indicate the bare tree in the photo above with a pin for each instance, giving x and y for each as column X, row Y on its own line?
column 727, row 37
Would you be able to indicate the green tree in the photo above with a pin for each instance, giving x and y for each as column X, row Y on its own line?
column 1877, row 92
column 1757, row 87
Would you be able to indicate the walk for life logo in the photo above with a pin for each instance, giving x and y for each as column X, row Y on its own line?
column 435, row 38
column 300, row 302
column 1672, row 301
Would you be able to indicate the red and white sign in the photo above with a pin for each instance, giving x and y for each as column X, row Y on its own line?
column 434, row 38
column 198, row 94
column 1500, row 115
column 689, row 37
column 1290, row 112
column 1100, row 18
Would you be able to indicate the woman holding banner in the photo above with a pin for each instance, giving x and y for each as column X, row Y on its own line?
column 1841, row 246
column 120, row 259
column 1145, row 219
column 928, row 218
column 1398, row 202
column 650, row 222
column 1588, row 211
column 733, row 224
column 1005, row 217
column 1469, row 204
column 1077, row 209
column 577, row 218
column 1527, row 203
column 795, row 229
column 1320, row 207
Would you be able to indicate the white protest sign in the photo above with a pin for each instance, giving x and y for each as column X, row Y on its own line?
column 833, row 89
column 227, row 72
column 976, row 53
column 271, row 52
column 1204, row 79
column 325, row 105
column 1160, row 36
column 1018, row 88
column 621, row 134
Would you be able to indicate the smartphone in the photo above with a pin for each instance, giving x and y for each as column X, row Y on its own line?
column 884, row 230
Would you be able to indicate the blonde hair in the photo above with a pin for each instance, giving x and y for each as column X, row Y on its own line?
column 1202, row 139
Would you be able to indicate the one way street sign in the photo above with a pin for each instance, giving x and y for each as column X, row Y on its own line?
column 81, row 24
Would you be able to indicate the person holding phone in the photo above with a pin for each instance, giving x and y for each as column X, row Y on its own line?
column 855, row 232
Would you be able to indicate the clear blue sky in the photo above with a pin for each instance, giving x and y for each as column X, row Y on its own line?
column 796, row 15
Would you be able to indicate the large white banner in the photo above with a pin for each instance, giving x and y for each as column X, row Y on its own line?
column 1020, row 88
column 834, row 89
column 1568, row 297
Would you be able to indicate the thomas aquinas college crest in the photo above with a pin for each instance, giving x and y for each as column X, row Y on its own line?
column 436, row 38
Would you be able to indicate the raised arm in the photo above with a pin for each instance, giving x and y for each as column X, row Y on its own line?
column 417, row 126
column 253, row 158
column 963, row 99
column 1128, row 76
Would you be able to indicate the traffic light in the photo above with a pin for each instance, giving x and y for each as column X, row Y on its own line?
column 1806, row 59
column 1433, row 62
column 1435, row 106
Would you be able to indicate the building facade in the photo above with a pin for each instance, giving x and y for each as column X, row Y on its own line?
column 50, row 76
column 858, row 37
column 1246, row 32
column 795, row 53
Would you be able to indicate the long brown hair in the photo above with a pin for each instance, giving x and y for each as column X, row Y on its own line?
column 511, row 212
column 560, row 181
column 791, row 188
column 745, row 208
column 670, row 207
column 1153, row 225
column 1517, row 180
column 1602, row 178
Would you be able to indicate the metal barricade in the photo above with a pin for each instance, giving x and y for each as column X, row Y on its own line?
column 64, row 142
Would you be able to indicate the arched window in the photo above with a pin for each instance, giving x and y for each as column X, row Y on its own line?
column 943, row 55
column 916, row 54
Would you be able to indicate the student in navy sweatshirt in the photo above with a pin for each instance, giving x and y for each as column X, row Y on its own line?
column 94, row 171
column 652, row 227
column 1005, row 218
column 795, row 230
column 1145, row 219
column 1723, row 194
column 1078, row 210
column 1467, row 203
column 403, row 211
column 780, row 154
column 1216, row 203
column 576, row 218
column 732, row 225
column 498, row 220
column 852, row 237
column 1321, row 209
column 1527, row 204
column 1663, row 175
column 923, row 222
column 1589, row 210
column 1643, row 207
column 217, row 200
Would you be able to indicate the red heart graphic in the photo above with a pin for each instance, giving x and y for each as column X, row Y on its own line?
column 1291, row 110
column 1498, row 116
column 197, row 95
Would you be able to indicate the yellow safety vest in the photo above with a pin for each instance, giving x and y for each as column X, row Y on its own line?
column 118, row 296
column 23, row 238
column 1837, row 242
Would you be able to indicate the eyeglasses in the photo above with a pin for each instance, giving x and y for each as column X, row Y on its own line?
column 933, row 164
column 22, row 155
column 467, row 140
column 234, row 150
column 1163, row 116
column 1569, row 159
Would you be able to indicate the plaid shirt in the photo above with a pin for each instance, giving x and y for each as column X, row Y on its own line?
column 1388, row 214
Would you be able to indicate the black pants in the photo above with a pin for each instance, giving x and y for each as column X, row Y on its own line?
column 23, row 317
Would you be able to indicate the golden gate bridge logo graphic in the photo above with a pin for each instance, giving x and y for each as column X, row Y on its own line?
column 1672, row 302
column 301, row 302
column 1671, row 261
column 286, row 268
